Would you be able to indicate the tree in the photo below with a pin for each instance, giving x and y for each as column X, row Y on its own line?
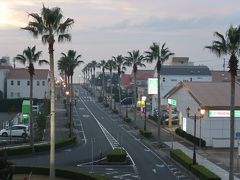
column 30, row 56
column 110, row 65
column 94, row 65
column 102, row 64
column 135, row 59
column 49, row 23
column 119, row 60
column 69, row 62
column 230, row 46
column 160, row 55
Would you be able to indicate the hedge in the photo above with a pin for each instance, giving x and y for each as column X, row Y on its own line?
column 126, row 119
column 154, row 118
column 116, row 155
column 182, row 158
column 145, row 133
column 190, row 137
column 62, row 173
column 203, row 173
column 38, row 148
column 198, row 170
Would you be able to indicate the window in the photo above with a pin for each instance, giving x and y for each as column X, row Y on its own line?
column 12, row 83
column 163, row 79
column 18, row 83
column 43, row 83
column 38, row 83
column 18, row 94
column 11, row 94
column 28, row 83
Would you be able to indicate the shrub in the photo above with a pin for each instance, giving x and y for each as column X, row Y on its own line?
column 117, row 155
column 182, row 158
column 145, row 133
column 38, row 148
column 190, row 137
column 115, row 111
column 203, row 173
column 127, row 120
column 63, row 173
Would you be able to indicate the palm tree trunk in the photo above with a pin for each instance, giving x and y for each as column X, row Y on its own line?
column 119, row 95
column 30, row 114
column 111, row 89
column 135, row 99
column 103, row 84
column 232, row 127
column 159, row 105
column 94, row 90
column 52, row 115
column 70, row 110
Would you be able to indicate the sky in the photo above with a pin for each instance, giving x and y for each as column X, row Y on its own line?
column 106, row 28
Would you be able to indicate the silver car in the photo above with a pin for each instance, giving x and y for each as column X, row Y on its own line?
column 16, row 130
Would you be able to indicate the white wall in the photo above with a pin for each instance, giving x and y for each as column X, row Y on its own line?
column 169, row 81
column 23, row 90
column 215, row 131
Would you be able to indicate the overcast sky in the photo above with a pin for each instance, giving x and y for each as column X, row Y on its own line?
column 106, row 28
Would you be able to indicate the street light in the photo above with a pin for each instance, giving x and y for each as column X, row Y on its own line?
column 195, row 117
column 67, row 93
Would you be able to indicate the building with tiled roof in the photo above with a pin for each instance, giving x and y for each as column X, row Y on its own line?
column 214, row 97
column 18, row 83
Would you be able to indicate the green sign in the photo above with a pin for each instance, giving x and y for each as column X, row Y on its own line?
column 149, row 106
column 172, row 102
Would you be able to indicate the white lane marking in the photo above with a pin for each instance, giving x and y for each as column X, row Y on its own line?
column 100, row 125
column 160, row 165
column 80, row 122
column 154, row 170
column 85, row 115
column 67, row 150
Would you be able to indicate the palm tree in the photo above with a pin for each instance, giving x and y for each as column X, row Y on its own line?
column 93, row 65
column 71, row 62
column 119, row 60
column 30, row 56
column 102, row 64
column 49, row 23
column 229, row 45
column 135, row 59
column 110, row 65
column 161, row 55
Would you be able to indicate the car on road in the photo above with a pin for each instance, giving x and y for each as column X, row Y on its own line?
column 16, row 130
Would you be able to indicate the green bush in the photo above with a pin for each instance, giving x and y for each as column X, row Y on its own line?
column 62, row 173
column 127, row 120
column 38, row 148
column 190, row 137
column 117, row 155
column 203, row 173
column 115, row 111
column 146, row 133
column 182, row 158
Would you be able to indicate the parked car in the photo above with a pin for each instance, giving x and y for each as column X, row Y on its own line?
column 16, row 130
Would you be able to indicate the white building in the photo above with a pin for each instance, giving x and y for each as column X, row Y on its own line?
column 18, row 84
column 172, row 74
column 214, row 126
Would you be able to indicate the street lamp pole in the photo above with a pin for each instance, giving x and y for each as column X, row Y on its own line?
column 194, row 143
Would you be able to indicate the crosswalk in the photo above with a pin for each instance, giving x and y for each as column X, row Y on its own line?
column 85, row 98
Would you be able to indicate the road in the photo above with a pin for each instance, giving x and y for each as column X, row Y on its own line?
column 100, row 131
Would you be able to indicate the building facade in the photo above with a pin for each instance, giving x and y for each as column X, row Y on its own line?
column 214, row 98
column 18, row 84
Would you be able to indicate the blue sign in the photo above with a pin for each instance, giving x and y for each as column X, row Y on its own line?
column 238, row 134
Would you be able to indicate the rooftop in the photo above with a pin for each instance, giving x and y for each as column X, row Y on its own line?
column 185, row 70
column 23, row 74
column 209, row 94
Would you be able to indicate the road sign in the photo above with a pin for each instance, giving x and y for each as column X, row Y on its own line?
column 152, row 85
column 172, row 102
column 237, row 134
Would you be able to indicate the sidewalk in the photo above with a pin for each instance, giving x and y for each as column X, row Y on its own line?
column 216, row 160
